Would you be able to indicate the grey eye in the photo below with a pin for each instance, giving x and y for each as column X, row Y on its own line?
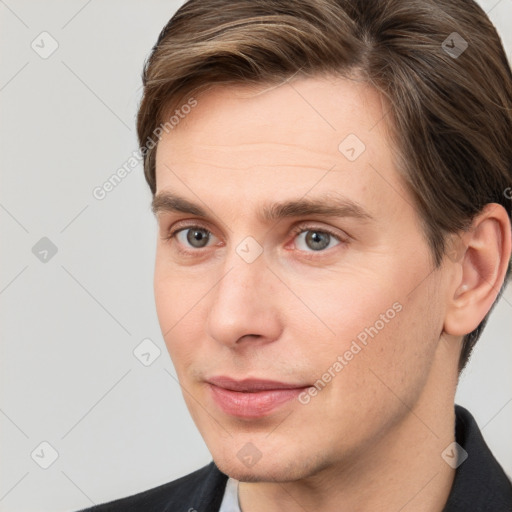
column 316, row 240
column 196, row 237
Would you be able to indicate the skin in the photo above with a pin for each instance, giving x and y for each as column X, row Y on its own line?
column 372, row 438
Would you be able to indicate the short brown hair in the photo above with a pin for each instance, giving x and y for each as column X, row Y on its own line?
column 451, row 114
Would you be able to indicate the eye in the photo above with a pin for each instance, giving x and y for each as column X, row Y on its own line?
column 309, row 239
column 315, row 239
column 193, row 236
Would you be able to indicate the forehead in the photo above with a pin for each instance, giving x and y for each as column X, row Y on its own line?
column 316, row 134
column 291, row 113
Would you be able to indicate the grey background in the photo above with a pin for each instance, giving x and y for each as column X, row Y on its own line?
column 69, row 325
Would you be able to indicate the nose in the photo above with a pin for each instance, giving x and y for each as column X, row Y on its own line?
column 244, row 304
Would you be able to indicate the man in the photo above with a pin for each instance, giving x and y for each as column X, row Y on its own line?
column 331, row 180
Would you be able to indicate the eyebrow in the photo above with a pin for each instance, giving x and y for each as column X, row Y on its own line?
column 325, row 205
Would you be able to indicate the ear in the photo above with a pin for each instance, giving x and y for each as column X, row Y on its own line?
column 480, row 258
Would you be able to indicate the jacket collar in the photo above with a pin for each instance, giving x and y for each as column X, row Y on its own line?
column 480, row 484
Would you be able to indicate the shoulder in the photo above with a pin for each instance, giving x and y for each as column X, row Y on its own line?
column 480, row 483
column 200, row 491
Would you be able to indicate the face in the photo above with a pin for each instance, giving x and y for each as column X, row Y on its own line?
column 339, row 308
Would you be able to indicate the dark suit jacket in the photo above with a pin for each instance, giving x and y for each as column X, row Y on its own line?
column 480, row 484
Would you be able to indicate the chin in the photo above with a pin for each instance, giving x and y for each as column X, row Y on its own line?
column 277, row 470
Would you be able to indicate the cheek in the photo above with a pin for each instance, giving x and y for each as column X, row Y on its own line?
column 396, row 356
column 376, row 378
column 348, row 305
column 177, row 308
column 176, row 291
column 380, row 329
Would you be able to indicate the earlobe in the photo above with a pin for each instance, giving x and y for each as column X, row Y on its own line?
column 484, row 252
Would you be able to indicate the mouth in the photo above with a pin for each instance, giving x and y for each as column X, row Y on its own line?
column 252, row 398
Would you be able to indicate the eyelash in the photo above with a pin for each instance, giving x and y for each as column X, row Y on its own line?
column 295, row 231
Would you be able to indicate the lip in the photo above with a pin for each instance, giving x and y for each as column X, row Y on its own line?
column 251, row 385
column 252, row 398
